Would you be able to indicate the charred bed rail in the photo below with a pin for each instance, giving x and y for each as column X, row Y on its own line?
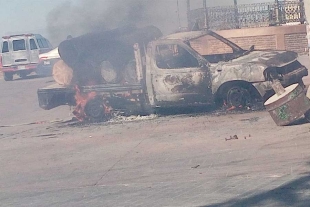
column 112, row 88
column 247, row 15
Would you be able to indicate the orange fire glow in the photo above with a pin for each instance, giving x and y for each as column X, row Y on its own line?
column 81, row 101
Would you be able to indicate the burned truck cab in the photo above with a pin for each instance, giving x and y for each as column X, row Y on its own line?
column 176, row 75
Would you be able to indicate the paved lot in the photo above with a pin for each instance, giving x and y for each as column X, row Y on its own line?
column 179, row 160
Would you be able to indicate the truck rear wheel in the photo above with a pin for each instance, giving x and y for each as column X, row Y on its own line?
column 94, row 109
column 8, row 76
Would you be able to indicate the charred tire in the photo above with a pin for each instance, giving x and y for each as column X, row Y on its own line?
column 8, row 76
column 237, row 95
column 94, row 109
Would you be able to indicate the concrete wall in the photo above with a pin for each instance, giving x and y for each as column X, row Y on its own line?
column 292, row 37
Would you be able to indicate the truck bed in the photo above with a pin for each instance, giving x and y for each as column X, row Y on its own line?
column 56, row 95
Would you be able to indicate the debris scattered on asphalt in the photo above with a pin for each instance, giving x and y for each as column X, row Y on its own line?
column 195, row 167
column 251, row 120
column 231, row 108
column 117, row 119
column 232, row 138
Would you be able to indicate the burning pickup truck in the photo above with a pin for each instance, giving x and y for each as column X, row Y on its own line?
column 165, row 72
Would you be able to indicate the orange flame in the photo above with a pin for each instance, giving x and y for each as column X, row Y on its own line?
column 81, row 101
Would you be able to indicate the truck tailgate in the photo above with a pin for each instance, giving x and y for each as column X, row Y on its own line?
column 55, row 95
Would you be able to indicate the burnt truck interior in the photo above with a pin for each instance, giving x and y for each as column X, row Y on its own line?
column 232, row 51
column 174, row 56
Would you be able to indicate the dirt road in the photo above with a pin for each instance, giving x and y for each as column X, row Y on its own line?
column 178, row 160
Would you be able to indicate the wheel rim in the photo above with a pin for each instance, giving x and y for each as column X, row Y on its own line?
column 94, row 109
column 238, row 97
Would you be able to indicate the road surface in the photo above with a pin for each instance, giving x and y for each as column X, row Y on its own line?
column 176, row 160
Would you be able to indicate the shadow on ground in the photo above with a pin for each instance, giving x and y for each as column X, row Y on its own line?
column 29, row 77
column 295, row 194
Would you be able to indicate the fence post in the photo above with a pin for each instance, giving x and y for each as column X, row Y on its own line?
column 188, row 4
column 206, row 26
column 302, row 11
column 277, row 12
column 236, row 14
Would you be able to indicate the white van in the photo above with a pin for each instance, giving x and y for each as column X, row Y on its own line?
column 20, row 54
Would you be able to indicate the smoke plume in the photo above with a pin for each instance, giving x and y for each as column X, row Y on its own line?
column 98, row 15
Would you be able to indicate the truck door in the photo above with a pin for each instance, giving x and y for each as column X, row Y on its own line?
column 34, row 51
column 178, row 75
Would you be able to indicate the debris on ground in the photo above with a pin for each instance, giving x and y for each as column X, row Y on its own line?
column 195, row 167
column 232, row 138
column 253, row 119
column 119, row 118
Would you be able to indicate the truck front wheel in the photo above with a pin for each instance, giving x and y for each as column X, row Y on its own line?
column 8, row 76
column 237, row 97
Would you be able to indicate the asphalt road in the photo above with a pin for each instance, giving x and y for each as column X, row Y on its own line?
column 177, row 160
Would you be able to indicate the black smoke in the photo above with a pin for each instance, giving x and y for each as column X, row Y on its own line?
column 100, row 15
column 96, row 15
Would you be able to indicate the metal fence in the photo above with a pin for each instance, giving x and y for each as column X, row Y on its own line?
column 247, row 15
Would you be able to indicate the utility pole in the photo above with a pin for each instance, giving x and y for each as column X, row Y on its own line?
column 188, row 7
column 277, row 12
column 236, row 14
column 206, row 26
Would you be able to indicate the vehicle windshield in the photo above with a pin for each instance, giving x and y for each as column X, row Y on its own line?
column 215, row 48
column 234, row 46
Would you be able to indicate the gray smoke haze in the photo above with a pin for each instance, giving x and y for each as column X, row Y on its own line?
column 95, row 15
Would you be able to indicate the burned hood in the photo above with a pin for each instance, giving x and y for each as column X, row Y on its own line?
column 268, row 58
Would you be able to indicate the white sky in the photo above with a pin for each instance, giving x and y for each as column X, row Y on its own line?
column 22, row 16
